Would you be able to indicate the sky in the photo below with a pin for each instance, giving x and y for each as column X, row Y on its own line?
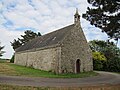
column 42, row 16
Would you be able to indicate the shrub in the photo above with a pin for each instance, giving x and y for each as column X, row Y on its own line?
column 97, row 65
column 113, row 64
column 98, row 60
column 12, row 59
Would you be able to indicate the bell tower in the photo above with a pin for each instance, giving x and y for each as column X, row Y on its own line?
column 76, row 17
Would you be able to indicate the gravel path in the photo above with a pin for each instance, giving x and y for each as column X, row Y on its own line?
column 104, row 78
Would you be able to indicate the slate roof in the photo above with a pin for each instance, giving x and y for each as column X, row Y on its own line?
column 49, row 39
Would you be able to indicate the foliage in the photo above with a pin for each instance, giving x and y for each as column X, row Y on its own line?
column 12, row 59
column 99, row 46
column 109, row 49
column 114, row 64
column 98, row 60
column 1, row 52
column 98, row 56
column 16, row 43
column 97, row 65
column 106, row 55
column 29, row 35
column 105, row 15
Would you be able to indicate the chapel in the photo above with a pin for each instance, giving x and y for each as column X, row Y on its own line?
column 62, row 51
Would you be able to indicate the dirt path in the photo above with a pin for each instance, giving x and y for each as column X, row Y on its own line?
column 104, row 78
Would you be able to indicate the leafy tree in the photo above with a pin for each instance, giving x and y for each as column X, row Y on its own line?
column 113, row 64
column 111, row 51
column 1, row 52
column 29, row 35
column 98, row 60
column 39, row 34
column 108, row 50
column 98, row 56
column 16, row 43
column 105, row 15
column 12, row 59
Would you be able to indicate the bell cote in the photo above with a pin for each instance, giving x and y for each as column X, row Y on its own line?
column 76, row 17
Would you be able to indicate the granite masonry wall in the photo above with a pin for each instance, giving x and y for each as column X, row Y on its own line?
column 44, row 59
column 74, row 46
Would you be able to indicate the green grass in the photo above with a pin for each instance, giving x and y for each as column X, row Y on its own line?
column 12, row 69
column 26, row 71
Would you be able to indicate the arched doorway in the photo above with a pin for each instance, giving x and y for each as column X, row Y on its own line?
column 78, row 66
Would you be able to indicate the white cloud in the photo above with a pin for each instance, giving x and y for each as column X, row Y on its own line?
column 6, row 37
column 41, row 15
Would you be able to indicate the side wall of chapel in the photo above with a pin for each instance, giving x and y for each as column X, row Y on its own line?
column 45, row 59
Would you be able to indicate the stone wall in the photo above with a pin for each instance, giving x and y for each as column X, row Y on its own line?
column 75, row 47
column 21, row 59
column 45, row 59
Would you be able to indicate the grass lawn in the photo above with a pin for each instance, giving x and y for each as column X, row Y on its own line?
column 12, row 69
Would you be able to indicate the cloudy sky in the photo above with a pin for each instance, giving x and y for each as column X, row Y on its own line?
column 42, row 16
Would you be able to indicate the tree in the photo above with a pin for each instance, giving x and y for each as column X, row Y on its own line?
column 12, row 59
column 16, row 43
column 105, row 15
column 98, row 56
column 113, row 64
column 29, row 35
column 98, row 60
column 108, row 50
column 1, row 52
column 99, row 45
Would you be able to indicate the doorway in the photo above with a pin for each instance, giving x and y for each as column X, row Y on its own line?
column 78, row 66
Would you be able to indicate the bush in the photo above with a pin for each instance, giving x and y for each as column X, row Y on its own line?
column 113, row 64
column 99, row 65
column 106, row 56
column 12, row 59
column 98, row 60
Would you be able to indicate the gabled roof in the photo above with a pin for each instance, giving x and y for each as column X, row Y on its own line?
column 49, row 39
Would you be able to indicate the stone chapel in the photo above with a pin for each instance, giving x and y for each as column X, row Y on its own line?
column 62, row 51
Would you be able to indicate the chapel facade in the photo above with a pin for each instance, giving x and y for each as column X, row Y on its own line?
column 62, row 51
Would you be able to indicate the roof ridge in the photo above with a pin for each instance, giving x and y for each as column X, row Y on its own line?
column 59, row 29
